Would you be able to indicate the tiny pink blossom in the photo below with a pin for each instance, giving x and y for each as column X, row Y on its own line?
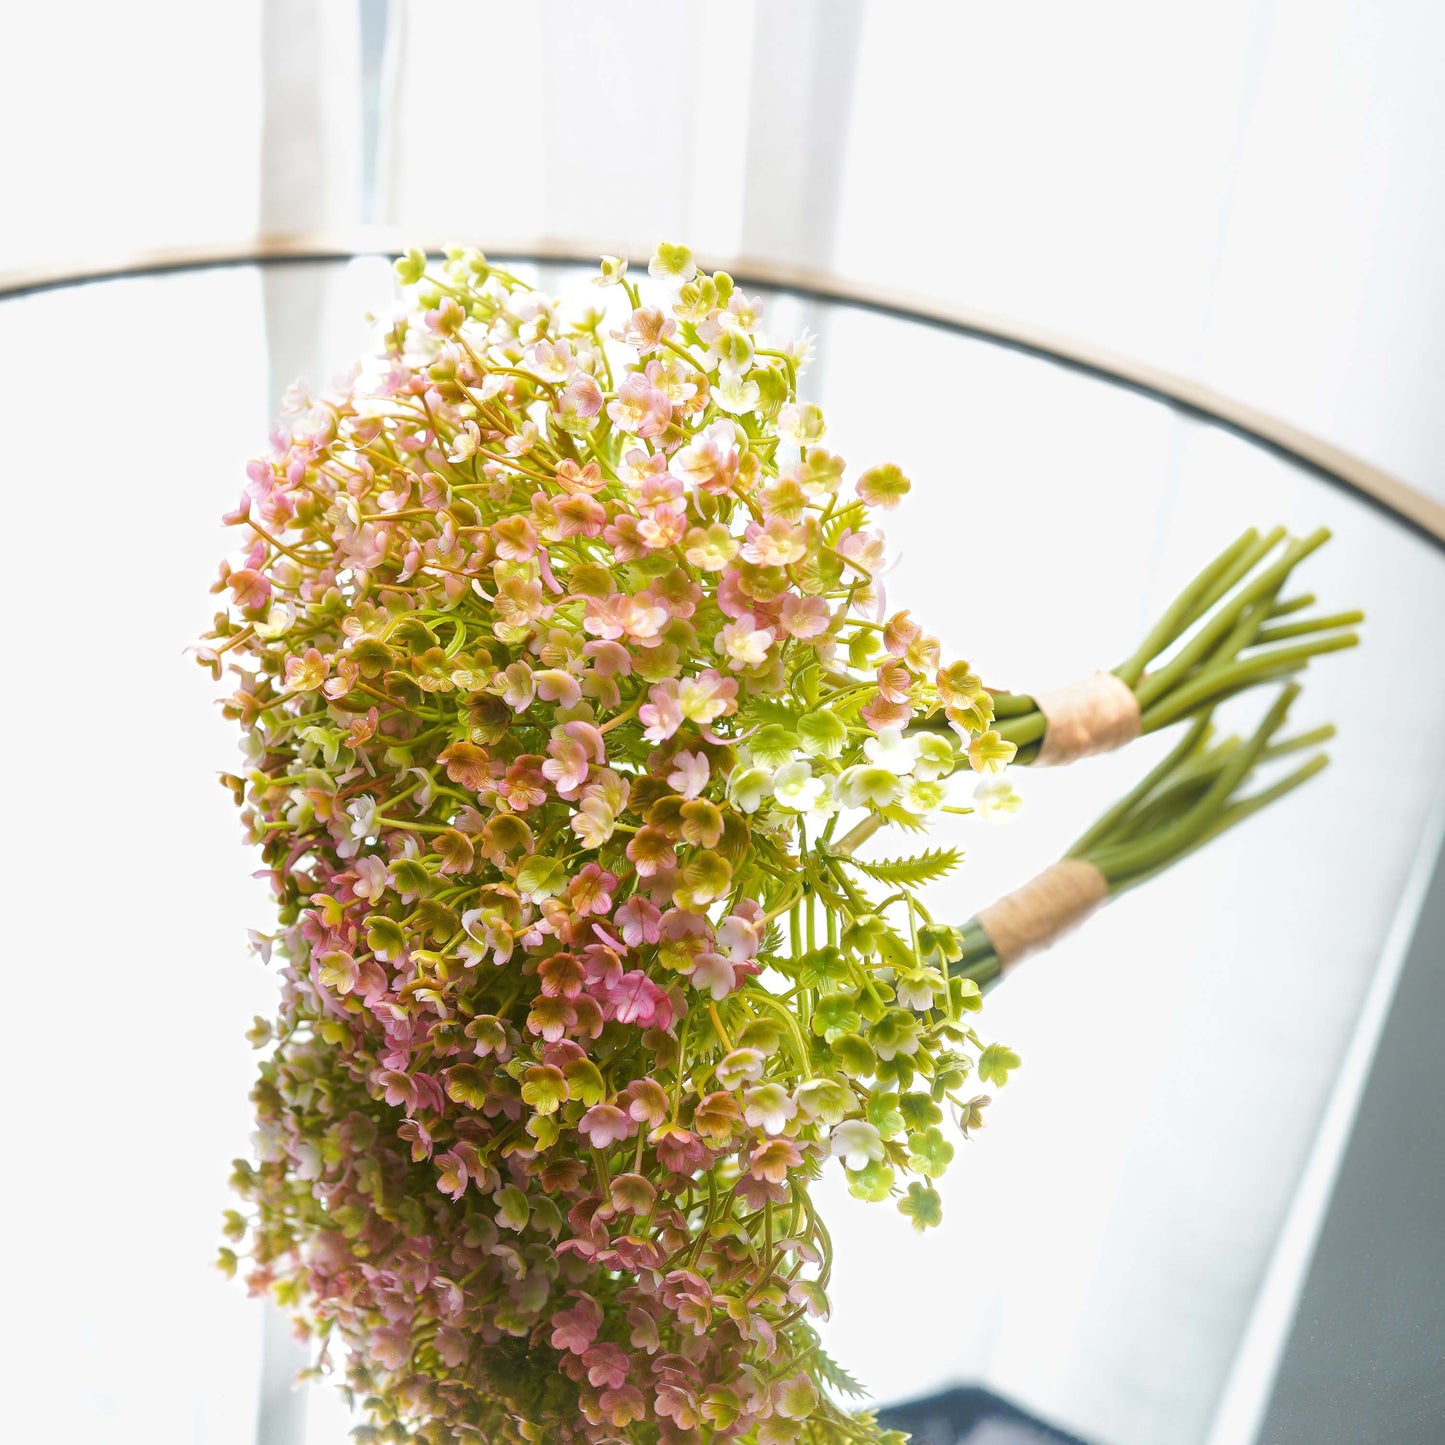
column 640, row 922
column 644, row 617
column 709, row 463
column 567, row 765
column 604, row 1125
column 453, row 1346
column 714, row 973
column 574, row 1329
column 582, row 396
column 249, row 587
column 637, row 1000
column 774, row 543
column 452, row 1175
column 744, row 643
column 662, row 714
column 306, row 673
column 606, row 1366
column 647, row 328
column 392, row 1346
column 804, row 617
column 690, row 773
column 863, row 549
column 556, row 685
column 738, row 937
column 372, row 877
column 880, row 713
column 707, row 696
column 591, row 890
column 609, row 658
column 640, row 408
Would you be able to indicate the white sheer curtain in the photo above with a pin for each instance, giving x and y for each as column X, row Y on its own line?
column 127, row 127
column 1247, row 193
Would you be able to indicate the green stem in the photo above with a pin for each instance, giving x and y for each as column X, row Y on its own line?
column 1236, row 813
column 1175, row 618
column 1308, row 625
column 1214, row 683
column 1196, row 735
column 1119, row 863
column 1203, row 643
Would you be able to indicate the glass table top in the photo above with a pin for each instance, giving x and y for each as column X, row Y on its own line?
column 1124, row 1245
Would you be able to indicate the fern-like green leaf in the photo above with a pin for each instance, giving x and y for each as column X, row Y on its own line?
column 921, row 868
column 902, row 818
column 837, row 1378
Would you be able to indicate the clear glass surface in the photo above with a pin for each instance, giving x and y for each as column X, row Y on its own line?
column 1114, row 1234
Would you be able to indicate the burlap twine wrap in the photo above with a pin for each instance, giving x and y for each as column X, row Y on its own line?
column 1031, row 917
column 1094, row 715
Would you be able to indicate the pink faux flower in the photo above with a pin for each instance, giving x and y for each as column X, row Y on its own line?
column 591, row 890
column 662, row 713
column 604, row 1125
column 249, row 587
column 640, row 408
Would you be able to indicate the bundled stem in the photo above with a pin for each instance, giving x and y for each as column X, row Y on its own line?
column 1192, row 796
column 1220, row 636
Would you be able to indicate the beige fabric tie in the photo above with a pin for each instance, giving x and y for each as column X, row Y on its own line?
column 1094, row 715
column 1031, row 917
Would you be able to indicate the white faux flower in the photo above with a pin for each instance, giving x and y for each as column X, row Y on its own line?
column 861, row 785
column 826, row 804
column 748, row 786
column 670, row 262
column 801, row 425
column 795, row 787
column 915, row 991
column 279, row 621
column 361, row 825
column 891, row 750
column 923, row 797
column 465, row 443
column 997, row 799
column 769, row 1107
column 735, row 395
column 855, row 1142
column 936, row 757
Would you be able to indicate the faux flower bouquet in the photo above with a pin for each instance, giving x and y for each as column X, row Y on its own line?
column 568, row 692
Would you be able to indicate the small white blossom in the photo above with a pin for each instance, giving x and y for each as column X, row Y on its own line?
column 826, row 804
column 748, row 785
column 923, row 797
column 768, row 1107
column 915, row 991
column 855, row 1142
column 862, row 785
column 735, row 395
column 672, row 262
column 795, row 787
column 891, row 750
column 466, row 442
column 279, row 621
column 936, row 757
column 361, row 825
column 997, row 799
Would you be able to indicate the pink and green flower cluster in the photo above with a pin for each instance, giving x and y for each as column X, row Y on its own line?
column 568, row 687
